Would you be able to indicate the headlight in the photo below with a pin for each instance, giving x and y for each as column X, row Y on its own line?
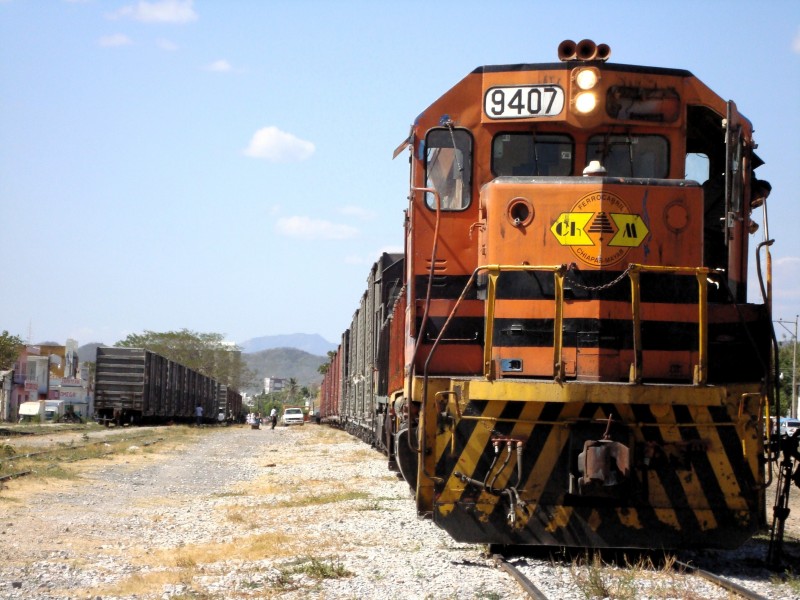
column 586, row 79
column 585, row 102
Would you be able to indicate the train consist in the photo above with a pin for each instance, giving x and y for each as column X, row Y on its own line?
column 133, row 385
column 565, row 353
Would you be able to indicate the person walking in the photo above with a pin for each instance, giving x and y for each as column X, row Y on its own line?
column 273, row 416
column 198, row 414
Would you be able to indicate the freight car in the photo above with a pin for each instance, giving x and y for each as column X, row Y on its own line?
column 229, row 404
column 133, row 385
column 565, row 353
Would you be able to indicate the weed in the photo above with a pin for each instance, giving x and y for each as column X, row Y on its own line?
column 314, row 568
column 55, row 471
column 7, row 450
column 794, row 584
column 595, row 579
column 235, row 516
column 373, row 505
column 191, row 595
column 228, row 495
column 343, row 496
column 318, row 569
column 185, row 562
column 482, row 594
column 791, row 580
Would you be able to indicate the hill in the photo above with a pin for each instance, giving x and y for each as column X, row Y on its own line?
column 88, row 352
column 311, row 343
column 285, row 363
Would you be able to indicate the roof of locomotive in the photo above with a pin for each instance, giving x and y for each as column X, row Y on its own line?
column 560, row 66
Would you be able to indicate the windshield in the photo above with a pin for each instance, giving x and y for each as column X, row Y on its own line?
column 644, row 156
column 531, row 154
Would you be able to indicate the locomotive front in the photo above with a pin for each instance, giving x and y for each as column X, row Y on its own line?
column 582, row 366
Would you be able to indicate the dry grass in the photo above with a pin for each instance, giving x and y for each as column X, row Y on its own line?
column 66, row 466
column 266, row 521
column 631, row 580
column 170, row 567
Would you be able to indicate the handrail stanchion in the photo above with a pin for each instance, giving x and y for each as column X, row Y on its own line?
column 701, row 368
column 636, row 367
column 558, row 325
column 491, row 296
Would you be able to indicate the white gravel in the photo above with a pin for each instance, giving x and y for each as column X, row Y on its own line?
column 239, row 513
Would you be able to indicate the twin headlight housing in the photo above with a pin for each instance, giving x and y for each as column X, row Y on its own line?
column 586, row 80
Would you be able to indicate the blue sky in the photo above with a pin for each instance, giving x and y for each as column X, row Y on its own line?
column 227, row 166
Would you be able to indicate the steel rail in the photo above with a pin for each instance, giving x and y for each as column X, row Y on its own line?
column 65, row 448
column 526, row 584
column 720, row 581
column 15, row 475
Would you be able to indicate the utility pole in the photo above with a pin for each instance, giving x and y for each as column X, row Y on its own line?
column 793, row 408
column 793, row 404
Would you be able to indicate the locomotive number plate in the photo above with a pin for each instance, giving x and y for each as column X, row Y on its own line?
column 523, row 101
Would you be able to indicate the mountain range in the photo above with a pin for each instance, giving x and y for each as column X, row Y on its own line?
column 308, row 342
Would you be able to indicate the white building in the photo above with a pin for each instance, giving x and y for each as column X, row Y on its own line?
column 274, row 384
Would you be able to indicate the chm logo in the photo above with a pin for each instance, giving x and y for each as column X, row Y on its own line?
column 600, row 229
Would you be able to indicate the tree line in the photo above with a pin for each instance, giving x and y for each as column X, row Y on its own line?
column 210, row 355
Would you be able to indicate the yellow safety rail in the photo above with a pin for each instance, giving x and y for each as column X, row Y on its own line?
column 700, row 372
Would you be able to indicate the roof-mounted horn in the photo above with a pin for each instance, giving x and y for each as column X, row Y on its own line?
column 585, row 50
column 566, row 50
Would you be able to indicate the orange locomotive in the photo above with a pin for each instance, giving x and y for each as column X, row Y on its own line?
column 569, row 357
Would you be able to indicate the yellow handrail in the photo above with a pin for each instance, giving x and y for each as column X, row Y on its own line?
column 700, row 375
column 493, row 272
column 700, row 371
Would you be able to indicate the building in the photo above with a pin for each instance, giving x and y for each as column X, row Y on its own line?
column 274, row 384
column 45, row 372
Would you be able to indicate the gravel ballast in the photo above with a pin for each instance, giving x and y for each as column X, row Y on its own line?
column 300, row 512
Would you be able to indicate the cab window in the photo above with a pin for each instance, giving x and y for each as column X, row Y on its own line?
column 448, row 168
column 644, row 156
column 531, row 154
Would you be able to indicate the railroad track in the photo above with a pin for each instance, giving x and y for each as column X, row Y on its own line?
column 526, row 584
column 73, row 449
column 505, row 561
column 720, row 581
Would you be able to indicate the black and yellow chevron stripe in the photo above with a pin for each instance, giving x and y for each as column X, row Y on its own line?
column 695, row 476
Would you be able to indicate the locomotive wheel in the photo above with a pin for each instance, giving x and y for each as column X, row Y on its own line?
column 406, row 457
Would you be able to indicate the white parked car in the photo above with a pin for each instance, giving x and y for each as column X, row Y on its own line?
column 292, row 416
column 789, row 426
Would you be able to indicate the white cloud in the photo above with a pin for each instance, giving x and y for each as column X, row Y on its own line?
column 161, row 11
column 219, row 66
column 115, row 40
column 272, row 144
column 788, row 262
column 796, row 43
column 314, row 229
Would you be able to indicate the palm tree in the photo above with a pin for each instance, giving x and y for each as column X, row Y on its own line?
column 292, row 388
